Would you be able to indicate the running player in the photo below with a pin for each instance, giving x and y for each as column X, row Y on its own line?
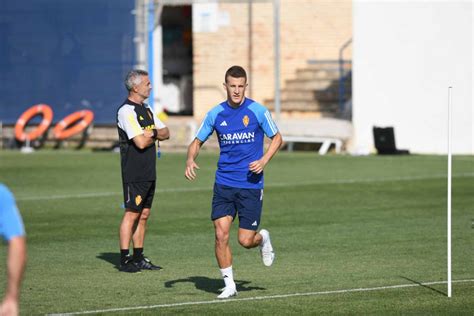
column 240, row 124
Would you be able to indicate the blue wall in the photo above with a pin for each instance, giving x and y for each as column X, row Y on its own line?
column 70, row 54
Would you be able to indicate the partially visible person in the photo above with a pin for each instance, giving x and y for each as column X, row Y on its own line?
column 12, row 230
column 139, row 129
column 241, row 125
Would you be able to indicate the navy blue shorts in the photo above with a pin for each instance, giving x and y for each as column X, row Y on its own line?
column 247, row 203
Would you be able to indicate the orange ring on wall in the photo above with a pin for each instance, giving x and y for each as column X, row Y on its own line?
column 73, row 124
column 39, row 109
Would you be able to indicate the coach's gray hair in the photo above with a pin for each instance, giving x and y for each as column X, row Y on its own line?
column 134, row 77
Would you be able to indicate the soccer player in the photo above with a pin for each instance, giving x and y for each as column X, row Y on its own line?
column 240, row 124
column 138, row 128
column 12, row 230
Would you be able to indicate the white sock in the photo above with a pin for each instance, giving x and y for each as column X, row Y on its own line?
column 228, row 276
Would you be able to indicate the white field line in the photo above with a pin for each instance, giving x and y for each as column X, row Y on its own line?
column 271, row 185
column 258, row 298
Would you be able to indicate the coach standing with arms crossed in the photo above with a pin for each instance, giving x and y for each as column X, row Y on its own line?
column 138, row 128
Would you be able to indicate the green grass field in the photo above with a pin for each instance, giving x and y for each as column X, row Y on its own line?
column 352, row 236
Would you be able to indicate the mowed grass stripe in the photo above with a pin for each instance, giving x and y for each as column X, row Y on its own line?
column 276, row 185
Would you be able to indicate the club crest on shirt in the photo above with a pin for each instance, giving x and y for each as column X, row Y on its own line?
column 246, row 120
column 141, row 118
column 138, row 199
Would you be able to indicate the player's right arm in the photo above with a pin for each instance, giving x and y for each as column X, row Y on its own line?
column 193, row 152
column 203, row 133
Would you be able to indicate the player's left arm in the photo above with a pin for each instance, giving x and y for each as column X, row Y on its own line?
column 257, row 166
column 270, row 129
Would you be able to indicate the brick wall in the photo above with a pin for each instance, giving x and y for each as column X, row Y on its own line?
column 310, row 29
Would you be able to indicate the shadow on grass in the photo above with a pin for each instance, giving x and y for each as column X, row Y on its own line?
column 213, row 285
column 425, row 286
column 110, row 257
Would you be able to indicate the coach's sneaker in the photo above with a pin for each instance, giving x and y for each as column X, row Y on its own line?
column 266, row 249
column 127, row 265
column 228, row 291
column 144, row 263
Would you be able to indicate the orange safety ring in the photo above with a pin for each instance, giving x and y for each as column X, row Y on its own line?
column 73, row 124
column 39, row 109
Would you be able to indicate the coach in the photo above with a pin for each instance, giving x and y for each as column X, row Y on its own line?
column 138, row 128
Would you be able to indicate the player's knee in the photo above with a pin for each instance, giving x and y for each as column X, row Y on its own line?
column 222, row 237
column 145, row 214
column 246, row 242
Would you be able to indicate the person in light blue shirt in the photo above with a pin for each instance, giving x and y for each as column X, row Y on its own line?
column 12, row 231
column 241, row 125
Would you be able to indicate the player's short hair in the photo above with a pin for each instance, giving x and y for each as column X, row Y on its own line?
column 236, row 72
column 134, row 77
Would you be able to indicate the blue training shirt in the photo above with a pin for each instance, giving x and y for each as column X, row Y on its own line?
column 240, row 132
column 11, row 224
